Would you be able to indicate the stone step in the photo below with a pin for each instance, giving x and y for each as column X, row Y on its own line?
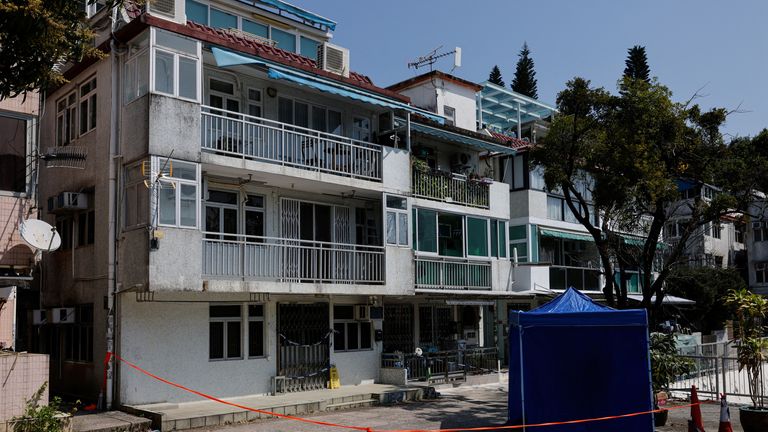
column 110, row 421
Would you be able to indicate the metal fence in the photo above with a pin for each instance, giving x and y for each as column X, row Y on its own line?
column 240, row 135
column 444, row 366
column 447, row 274
column 450, row 187
column 713, row 375
column 279, row 259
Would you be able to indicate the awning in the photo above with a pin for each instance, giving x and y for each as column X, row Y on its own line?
column 299, row 12
column 638, row 241
column 461, row 139
column 474, row 293
column 566, row 235
column 667, row 300
column 226, row 58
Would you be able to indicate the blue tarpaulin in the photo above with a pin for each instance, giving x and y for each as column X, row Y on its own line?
column 574, row 359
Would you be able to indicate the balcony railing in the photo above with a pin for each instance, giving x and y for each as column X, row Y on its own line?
column 243, row 136
column 452, row 274
column 444, row 365
column 449, row 187
column 230, row 256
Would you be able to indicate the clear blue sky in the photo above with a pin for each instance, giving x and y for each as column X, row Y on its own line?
column 719, row 45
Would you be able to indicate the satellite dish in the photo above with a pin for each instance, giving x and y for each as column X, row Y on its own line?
column 40, row 235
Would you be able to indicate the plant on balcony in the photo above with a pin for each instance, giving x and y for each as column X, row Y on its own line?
column 38, row 417
column 666, row 365
column 427, row 182
column 751, row 310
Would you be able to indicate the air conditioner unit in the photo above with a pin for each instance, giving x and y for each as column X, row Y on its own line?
column 333, row 58
column 757, row 225
column 761, row 266
column 39, row 316
column 63, row 315
column 362, row 312
column 460, row 159
column 168, row 9
column 67, row 201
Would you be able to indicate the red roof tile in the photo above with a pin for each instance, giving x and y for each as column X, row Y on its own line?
column 515, row 143
column 249, row 46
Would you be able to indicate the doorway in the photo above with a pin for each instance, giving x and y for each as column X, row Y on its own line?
column 303, row 349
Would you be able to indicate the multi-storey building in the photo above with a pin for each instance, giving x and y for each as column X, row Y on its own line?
column 756, row 240
column 246, row 215
column 18, row 144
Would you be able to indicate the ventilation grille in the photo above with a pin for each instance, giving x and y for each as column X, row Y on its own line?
column 333, row 59
column 163, row 7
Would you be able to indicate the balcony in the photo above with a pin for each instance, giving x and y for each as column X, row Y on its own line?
column 452, row 274
column 232, row 256
column 242, row 136
column 450, row 188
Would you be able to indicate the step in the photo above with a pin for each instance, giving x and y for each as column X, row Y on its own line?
column 110, row 421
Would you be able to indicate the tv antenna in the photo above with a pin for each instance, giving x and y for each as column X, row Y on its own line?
column 432, row 57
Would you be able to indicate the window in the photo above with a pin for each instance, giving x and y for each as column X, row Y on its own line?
column 498, row 239
column 221, row 19
column 86, row 228
column 397, row 220
column 308, row 47
column 309, row 116
column 716, row 230
column 361, row 129
column 739, row 232
column 14, row 133
column 88, row 106
column 350, row 334
column 518, row 241
column 257, row 29
column 254, row 102
column 514, row 172
column 225, row 328
column 94, row 7
column 554, row 208
column 136, row 200
column 177, row 195
column 66, row 119
column 226, row 214
column 444, row 234
column 197, row 12
column 136, row 71
column 176, row 65
column 709, row 193
column 78, row 337
column 761, row 273
column 477, row 237
column 285, row 41
column 450, row 115
column 760, row 229
column 64, row 228
column 426, row 238
column 256, row 340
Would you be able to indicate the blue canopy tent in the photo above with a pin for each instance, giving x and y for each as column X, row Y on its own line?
column 574, row 359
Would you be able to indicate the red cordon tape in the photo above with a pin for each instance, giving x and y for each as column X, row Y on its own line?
column 110, row 355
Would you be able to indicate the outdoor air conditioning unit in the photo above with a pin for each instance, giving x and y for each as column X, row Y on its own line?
column 333, row 58
column 39, row 316
column 168, row 9
column 63, row 315
column 67, row 201
column 362, row 312
column 757, row 225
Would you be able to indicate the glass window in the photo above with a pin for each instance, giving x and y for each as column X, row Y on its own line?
column 224, row 332
column 477, row 237
column 167, row 204
column 197, row 12
column 88, row 106
column 450, row 115
column 163, row 72
column 450, row 234
column 309, row 47
column 285, row 40
column 221, row 19
column 427, row 230
column 256, row 331
column 178, row 193
column 554, row 208
column 175, row 42
column 350, row 334
column 188, row 210
column 187, row 78
column 255, row 28
column 397, row 220
column 13, row 151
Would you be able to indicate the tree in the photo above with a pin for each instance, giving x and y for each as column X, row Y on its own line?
column 36, row 36
column 624, row 157
column 708, row 288
column 524, row 81
column 637, row 64
column 495, row 76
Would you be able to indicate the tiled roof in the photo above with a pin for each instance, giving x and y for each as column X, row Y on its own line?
column 434, row 74
column 515, row 143
column 249, row 46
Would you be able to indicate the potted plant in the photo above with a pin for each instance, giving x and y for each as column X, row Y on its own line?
column 666, row 365
column 751, row 310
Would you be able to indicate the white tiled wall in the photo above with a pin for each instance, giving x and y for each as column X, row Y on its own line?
column 21, row 375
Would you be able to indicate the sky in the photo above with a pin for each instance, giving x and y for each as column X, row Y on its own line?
column 716, row 48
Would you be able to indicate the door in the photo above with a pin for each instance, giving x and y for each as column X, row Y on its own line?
column 303, row 345
column 226, row 129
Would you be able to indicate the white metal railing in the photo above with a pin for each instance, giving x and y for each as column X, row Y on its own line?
column 452, row 274
column 244, row 136
column 233, row 256
column 450, row 187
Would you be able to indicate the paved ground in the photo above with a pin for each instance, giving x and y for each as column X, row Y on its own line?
column 458, row 408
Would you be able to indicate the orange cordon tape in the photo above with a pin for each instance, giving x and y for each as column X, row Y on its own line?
column 368, row 429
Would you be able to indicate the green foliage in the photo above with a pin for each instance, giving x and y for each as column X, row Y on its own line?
column 524, row 81
column 637, row 64
column 495, row 76
column 666, row 363
column 751, row 310
column 35, row 36
column 708, row 288
column 39, row 418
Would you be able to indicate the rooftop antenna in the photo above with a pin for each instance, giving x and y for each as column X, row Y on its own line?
column 431, row 58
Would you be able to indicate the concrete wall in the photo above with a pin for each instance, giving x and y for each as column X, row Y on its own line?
column 396, row 171
column 174, row 126
column 8, row 317
column 177, row 263
column 462, row 99
column 530, row 277
column 23, row 374
column 28, row 104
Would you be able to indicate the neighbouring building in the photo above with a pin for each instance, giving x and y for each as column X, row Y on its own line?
column 756, row 240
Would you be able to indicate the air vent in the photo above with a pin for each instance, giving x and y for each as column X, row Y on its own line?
column 164, row 8
column 334, row 59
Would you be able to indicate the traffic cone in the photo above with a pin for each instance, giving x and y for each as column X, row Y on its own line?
column 725, row 416
column 695, row 424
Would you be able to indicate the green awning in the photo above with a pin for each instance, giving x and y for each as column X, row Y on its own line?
column 566, row 235
column 639, row 241
column 461, row 139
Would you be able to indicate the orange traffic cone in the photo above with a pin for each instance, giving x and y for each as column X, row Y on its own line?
column 725, row 416
column 695, row 424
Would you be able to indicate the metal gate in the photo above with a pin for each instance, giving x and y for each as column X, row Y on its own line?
column 303, row 348
column 398, row 328
column 713, row 375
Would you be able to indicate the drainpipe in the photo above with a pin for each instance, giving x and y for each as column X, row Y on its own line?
column 112, row 264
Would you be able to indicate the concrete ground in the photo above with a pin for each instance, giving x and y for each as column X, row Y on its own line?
column 461, row 407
